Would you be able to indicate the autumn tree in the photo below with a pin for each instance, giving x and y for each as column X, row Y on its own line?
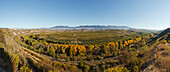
column 63, row 48
column 52, row 52
column 116, row 46
column 164, row 41
column 104, row 49
column 111, row 45
column 126, row 43
column 120, row 45
column 72, row 50
column 151, row 35
column 90, row 47
column 81, row 50
column 130, row 41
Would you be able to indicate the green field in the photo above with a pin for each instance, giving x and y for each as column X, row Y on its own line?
column 91, row 37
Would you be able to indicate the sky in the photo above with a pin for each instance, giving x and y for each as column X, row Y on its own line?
column 145, row 14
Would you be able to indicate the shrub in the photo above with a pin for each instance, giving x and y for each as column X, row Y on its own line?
column 168, row 41
column 67, row 59
column 117, row 69
column 115, row 54
column 52, row 53
column 14, row 60
column 99, row 57
column 135, row 64
column 164, row 41
column 82, row 65
column 25, row 69
column 90, row 58
column 145, row 48
column 53, row 71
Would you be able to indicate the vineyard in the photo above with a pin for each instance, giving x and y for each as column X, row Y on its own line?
column 89, row 37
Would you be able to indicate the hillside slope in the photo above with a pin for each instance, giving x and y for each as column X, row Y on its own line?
column 5, row 60
column 161, row 62
column 166, row 31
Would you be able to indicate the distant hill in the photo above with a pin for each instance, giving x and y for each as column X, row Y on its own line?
column 61, row 27
column 164, row 32
column 100, row 27
column 145, row 30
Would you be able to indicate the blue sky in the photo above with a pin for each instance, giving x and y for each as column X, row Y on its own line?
column 148, row 14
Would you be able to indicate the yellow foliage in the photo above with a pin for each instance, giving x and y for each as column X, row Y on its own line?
column 15, row 59
column 151, row 35
column 46, row 43
column 53, row 71
column 138, row 39
column 117, row 69
column 73, row 50
column 81, row 50
column 168, row 41
column 164, row 41
column 117, row 44
column 121, row 46
column 136, row 69
column 111, row 43
column 25, row 69
column 125, row 42
column 124, row 45
column 91, row 47
column 31, row 34
column 130, row 41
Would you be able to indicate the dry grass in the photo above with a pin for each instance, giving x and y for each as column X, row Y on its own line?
column 163, row 60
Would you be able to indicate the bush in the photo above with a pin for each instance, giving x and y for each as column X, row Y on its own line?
column 99, row 57
column 164, row 41
column 117, row 69
column 53, row 71
column 82, row 65
column 52, row 53
column 145, row 48
column 114, row 54
column 90, row 58
column 135, row 64
column 14, row 60
column 168, row 41
column 25, row 69
column 67, row 59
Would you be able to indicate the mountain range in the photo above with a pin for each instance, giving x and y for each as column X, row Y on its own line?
column 100, row 27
